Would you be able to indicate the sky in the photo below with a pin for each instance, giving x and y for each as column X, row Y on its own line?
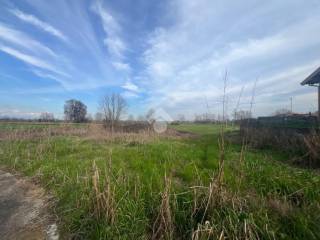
column 170, row 54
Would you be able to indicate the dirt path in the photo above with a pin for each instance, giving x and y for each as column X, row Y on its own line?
column 23, row 212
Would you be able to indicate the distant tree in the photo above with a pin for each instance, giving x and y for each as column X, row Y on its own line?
column 130, row 118
column 282, row 112
column 181, row 118
column 89, row 117
column 75, row 111
column 98, row 117
column 205, row 118
column 141, row 118
column 46, row 117
column 241, row 115
column 112, row 107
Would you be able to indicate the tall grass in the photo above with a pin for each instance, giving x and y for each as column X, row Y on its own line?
column 166, row 187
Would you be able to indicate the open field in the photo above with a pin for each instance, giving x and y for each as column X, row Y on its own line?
column 34, row 125
column 149, row 186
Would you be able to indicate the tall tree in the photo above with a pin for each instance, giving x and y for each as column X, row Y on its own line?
column 112, row 107
column 75, row 111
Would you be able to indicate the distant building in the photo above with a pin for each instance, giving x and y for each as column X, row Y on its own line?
column 314, row 80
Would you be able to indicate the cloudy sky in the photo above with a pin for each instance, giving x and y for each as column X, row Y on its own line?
column 162, row 54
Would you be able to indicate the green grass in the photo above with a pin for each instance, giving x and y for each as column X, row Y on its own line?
column 202, row 129
column 273, row 201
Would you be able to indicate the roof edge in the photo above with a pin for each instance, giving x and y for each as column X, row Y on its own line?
column 305, row 82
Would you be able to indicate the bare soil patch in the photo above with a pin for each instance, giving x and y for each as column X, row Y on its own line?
column 23, row 210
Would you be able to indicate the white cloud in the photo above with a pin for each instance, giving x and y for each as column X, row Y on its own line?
column 27, row 58
column 113, row 41
column 38, row 23
column 20, row 39
column 47, row 75
column 34, row 61
column 85, row 61
column 191, row 44
column 115, row 46
column 185, row 61
column 130, row 86
column 121, row 66
column 17, row 113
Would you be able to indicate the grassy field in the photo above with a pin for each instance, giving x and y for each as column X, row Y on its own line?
column 147, row 186
column 34, row 125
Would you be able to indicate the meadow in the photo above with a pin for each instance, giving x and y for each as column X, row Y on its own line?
column 188, row 183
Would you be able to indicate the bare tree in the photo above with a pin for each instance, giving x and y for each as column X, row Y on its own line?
column 75, row 111
column 98, row 117
column 130, row 118
column 112, row 107
column 46, row 117
column 282, row 112
column 141, row 118
column 242, row 115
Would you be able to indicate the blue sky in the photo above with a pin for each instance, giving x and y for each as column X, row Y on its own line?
column 169, row 54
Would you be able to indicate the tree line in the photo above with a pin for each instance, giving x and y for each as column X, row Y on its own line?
column 111, row 109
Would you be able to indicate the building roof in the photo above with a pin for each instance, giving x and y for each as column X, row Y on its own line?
column 314, row 78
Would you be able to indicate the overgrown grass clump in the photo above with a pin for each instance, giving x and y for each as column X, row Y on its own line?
column 167, row 188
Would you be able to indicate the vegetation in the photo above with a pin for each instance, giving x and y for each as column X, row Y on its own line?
column 170, row 186
column 112, row 106
column 75, row 111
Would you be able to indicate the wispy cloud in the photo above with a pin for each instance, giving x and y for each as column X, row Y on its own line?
column 185, row 61
column 21, row 39
column 116, row 46
column 121, row 66
column 80, row 66
column 38, row 23
column 130, row 86
column 27, row 58
column 175, row 57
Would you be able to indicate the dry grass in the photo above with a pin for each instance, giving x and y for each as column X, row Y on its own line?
column 303, row 149
column 92, row 131
column 103, row 199
column 163, row 224
column 312, row 143
column 110, row 201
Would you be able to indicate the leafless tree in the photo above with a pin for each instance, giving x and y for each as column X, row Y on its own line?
column 282, row 112
column 46, row 117
column 130, row 118
column 98, row 117
column 241, row 115
column 141, row 118
column 112, row 107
